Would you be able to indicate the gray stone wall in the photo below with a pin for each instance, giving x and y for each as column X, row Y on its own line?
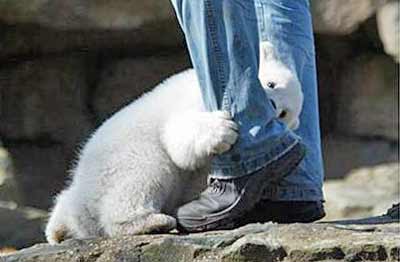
column 65, row 66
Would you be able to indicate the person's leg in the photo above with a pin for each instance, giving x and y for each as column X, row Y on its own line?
column 298, row 197
column 223, row 42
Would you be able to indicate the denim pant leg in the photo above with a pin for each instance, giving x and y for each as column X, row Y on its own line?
column 223, row 42
column 287, row 25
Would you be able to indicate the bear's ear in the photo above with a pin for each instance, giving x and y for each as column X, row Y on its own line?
column 267, row 54
column 267, row 51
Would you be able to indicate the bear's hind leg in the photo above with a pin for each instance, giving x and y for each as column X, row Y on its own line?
column 150, row 223
column 136, row 202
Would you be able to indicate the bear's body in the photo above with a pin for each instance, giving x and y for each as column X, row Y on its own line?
column 144, row 162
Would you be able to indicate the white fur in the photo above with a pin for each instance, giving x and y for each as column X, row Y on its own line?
column 144, row 162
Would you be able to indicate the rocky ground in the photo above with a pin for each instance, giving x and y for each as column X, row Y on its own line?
column 373, row 239
column 364, row 192
column 20, row 226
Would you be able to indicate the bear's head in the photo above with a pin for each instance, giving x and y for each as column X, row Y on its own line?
column 281, row 85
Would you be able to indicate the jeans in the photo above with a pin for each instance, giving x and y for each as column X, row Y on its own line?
column 223, row 41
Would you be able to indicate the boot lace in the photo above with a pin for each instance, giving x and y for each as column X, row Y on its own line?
column 216, row 186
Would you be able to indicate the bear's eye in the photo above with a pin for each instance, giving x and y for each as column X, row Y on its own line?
column 271, row 85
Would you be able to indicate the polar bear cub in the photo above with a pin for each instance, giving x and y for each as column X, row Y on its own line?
column 151, row 157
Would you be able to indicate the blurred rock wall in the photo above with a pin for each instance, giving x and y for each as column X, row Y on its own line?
column 65, row 66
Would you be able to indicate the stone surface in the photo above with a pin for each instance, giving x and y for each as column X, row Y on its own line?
column 388, row 18
column 342, row 154
column 24, row 41
column 122, row 81
column 32, row 28
column 45, row 98
column 342, row 16
column 40, row 171
column 365, row 192
column 368, row 98
column 93, row 14
column 20, row 226
column 255, row 242
column 9, row 190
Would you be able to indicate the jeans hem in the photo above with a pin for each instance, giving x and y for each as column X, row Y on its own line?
column 254, row 163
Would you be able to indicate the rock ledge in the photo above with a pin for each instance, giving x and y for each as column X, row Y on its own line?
column 373, row 239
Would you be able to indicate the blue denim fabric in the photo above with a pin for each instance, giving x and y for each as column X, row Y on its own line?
column 287, row 25
column 223, row 41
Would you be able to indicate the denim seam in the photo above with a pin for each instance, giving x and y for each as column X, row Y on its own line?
column 261, row 26
column 217, row 52
column 264, row 36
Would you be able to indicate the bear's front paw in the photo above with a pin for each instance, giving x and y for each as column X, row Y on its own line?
column 216, row 133
column 192, row 137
